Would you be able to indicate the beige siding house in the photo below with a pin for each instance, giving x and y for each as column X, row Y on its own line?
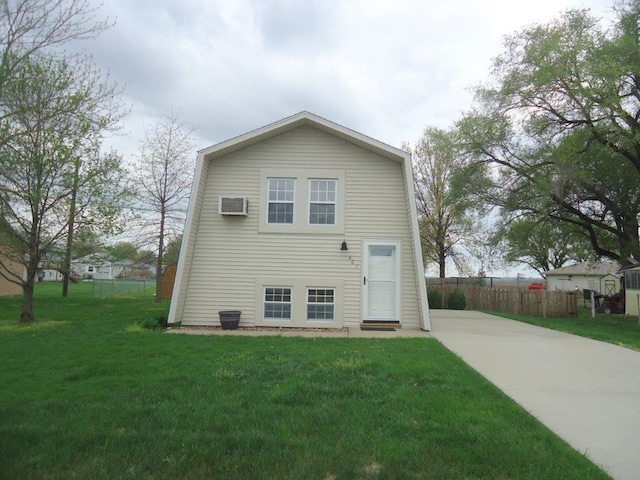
column 12, row 270
column 302, row 223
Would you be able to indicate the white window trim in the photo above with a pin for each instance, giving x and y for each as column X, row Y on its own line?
column 299, row 287
column 264, row 303
column 335, row 203
column 301, row 208
column 333, row 304
column 269, row 202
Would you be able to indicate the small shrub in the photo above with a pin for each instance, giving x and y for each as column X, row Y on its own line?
column 457, row 300
column 158, row 323
column 435, row 299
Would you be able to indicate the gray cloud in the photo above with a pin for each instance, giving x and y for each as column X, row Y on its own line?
column 386, row 69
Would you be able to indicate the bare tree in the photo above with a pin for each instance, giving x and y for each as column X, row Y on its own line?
column 164, row 179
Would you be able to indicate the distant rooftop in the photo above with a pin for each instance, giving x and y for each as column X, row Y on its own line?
column 596, row 269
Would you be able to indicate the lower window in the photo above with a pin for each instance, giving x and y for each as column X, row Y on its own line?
column 277, row 303
column 321, row 304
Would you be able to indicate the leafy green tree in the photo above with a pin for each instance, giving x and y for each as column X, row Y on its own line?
column 543, row 245
column 31, row 28
column 57, row 108
column 486, row 253
column 85, row 242
column 100, row 192
column 123, row 251
column 442, row 216
column 148, row 257
column 31, row 32
column 173, row 251
column 557, row 130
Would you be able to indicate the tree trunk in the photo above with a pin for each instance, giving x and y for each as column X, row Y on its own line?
column 66, row 266
column 442, row 261
column 27, row 315
column 629, row 242
column 158, row 298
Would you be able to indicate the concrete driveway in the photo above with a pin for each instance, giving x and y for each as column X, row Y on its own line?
column 588, row 392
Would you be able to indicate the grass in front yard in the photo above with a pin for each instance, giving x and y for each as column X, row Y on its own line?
column 620, row 330
column 86, row 394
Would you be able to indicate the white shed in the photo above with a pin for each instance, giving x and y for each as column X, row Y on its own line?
column 586, row 275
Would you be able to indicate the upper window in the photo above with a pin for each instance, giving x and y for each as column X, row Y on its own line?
column 301, row 200
column 322, row 202
column 281, row 200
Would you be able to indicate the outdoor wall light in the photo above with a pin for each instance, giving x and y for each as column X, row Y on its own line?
column 344, row 248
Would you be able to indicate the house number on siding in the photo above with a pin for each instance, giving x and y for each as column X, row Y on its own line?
column 353, row 262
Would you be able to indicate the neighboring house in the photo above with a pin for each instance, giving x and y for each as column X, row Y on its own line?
column 50, row 275
column 599, row 276
column 100, row 266
column 8, row 288
column 302, row 223
column 632, row 289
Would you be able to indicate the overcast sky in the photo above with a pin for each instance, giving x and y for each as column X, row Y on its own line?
column 385, row 68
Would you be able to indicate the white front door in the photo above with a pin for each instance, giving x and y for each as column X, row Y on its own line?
column 381, row 280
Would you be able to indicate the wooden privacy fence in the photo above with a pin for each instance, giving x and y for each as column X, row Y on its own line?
column 168, row 278
column 538, row 303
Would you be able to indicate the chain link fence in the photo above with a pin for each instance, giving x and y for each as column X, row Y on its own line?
column 110, row 288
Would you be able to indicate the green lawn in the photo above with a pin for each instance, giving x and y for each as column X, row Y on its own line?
column 617, row 329
column 85, row 393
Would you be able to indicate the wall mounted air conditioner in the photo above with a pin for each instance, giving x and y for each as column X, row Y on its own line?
column 233, row 206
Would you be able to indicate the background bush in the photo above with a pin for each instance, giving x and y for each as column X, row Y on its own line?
column 457, row 300
column 158, row 323
column 435, row 299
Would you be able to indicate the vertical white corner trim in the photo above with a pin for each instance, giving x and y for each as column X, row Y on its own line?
column 425, row 318
column 185, row 251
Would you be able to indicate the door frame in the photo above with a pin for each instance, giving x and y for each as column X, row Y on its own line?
column 366, row 243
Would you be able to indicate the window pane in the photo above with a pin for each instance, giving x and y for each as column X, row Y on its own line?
column 281, row 197
column 320, row 296
column 381, row 251
column 322, row 214
column 322, row 202
column 320, row 312
column 277, row 303
column 280, row 213
column 320, row 304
